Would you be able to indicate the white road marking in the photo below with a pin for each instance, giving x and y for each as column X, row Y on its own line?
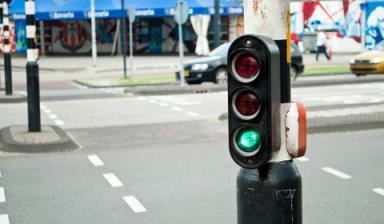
column 193, row 114
column 336, row 173
column 152, row 101
column 113, row 180
column 142, row 98
column 59, row 122
column 303, row 159
column 95, row 160
column 2, row 195
column 188, row 103
column 379, row 191
column 135, row 205
column 4, row 219
column 53, row 116
column 177, row 109
column 42, row 107
column 47, row 111
column 164, row 104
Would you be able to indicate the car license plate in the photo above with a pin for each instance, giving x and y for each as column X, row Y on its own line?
column 186, row 73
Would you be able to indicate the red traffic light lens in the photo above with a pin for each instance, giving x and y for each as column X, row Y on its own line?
column 246, row 104
column 247, row 67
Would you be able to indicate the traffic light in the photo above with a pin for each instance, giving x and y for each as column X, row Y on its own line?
column 253, row 100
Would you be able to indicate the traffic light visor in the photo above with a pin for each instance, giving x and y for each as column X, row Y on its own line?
column 246, row 67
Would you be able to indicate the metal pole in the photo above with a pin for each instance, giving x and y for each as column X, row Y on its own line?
column 33, row 88
column 123, row 37
column 1, row 22
column 131, row 45
column 217, row 24
column 271, row 194
column 7, row 51
column 93, row 27
column 181, row 47
column 42, row 38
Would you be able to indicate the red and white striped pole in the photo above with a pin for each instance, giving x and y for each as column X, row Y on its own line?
column 33, row 87
column 7, row 50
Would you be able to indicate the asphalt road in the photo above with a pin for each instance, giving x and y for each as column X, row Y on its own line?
column 164, row 159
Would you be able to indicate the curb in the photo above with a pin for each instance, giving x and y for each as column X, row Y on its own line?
column 119, row 86
column 14, row 98
column 175, row 89
column 8, row 143
column 328, row 82
column 339, row 123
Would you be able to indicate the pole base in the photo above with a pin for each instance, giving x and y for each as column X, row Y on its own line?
column 14, row 98
column 50, row 139
column 270, row 194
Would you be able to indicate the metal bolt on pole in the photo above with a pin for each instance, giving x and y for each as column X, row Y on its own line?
column 33, row 87
column 7, row 51
column 272, row 193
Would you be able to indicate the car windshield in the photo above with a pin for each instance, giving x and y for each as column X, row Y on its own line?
column 221, row 50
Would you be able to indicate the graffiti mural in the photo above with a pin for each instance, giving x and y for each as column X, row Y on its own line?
column 374, row 24
column 71, row 36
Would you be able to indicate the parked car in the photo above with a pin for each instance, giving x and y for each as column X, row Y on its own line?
column 371, row 62
column 213, row 67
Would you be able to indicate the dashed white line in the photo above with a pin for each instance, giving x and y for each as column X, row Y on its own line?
column 134, row 204
column 336, row 173
column 2, row 195
column 47, row 111
column 303, row 159
column 379, row 191
column 152, row 101
column 164, row 104
column 193, row 114
column 4, row 219
column 53, row 116
column 177, row 109
column 113, row 180
column 95, row 160
column 42, row 107
column 59, row 122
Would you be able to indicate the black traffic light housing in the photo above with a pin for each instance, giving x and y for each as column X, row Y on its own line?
column 255, row 116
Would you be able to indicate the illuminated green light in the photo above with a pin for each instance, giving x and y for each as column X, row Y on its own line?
column 248, row 140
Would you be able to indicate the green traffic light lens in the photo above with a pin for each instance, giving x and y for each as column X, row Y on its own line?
column 248, row 141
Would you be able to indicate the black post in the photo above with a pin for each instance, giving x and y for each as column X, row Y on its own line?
column 33, row 88
column 7, row 51
column 124, row 36
column 270, row 194
column 33, row 91
column 217, row 24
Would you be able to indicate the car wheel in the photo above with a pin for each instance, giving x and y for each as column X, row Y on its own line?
column 221, row 75
column 360, row 74
column 293, row 73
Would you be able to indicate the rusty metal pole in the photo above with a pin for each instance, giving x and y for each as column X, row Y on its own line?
column 271, row 194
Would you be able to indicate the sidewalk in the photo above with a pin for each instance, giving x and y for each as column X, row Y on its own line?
column 143, row 65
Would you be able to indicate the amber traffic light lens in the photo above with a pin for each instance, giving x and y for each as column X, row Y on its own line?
column 246, row 104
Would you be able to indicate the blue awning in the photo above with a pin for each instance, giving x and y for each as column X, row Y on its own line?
column 79, row 9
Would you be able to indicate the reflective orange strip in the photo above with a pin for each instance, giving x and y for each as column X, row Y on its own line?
column 302, row 129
